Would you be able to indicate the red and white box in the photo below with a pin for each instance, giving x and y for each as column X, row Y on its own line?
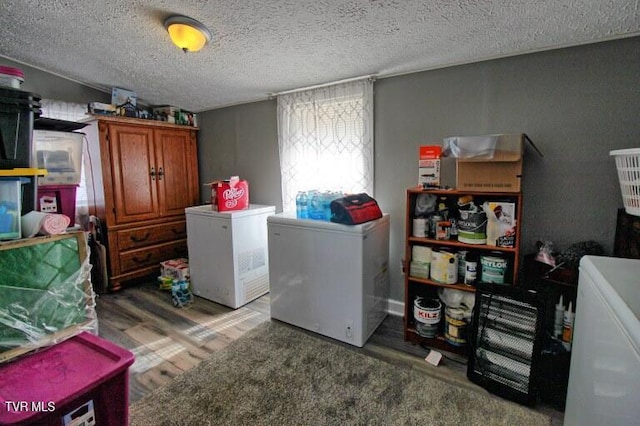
column 229, row 195
column 178, row 269
column 429, row 165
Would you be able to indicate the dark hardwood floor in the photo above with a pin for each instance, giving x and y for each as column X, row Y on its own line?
column 167, row 340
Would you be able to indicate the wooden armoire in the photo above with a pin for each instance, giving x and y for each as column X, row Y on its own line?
column 144, row 174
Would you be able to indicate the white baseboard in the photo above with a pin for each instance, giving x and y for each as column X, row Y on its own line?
column 396, row 308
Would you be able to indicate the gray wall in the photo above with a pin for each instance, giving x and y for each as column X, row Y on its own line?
column 576, row 104
column 50, row 86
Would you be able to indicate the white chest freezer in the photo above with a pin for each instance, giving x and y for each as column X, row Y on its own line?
column 228, row 253
column 329, row 278
column 604, row 379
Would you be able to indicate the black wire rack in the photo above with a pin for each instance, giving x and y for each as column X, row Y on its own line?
column 507, row 331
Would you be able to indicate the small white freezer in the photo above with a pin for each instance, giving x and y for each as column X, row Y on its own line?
column 329, row 278
column 228, row 253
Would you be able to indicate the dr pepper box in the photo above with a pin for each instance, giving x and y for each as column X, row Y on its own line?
column 230, row 194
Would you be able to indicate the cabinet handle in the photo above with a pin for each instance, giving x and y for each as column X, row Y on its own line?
column 153, row 174
column 160, row 173
column 145, row 260
column 141, row 239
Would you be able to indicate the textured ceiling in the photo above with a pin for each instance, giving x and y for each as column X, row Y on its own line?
column 261, row 47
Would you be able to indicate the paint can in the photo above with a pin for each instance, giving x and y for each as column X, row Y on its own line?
column 470, row 269
column 472, row 227
column 462, row 255
column 433, row 225
column 421, row 254
column 456, row 326
column 444, row 266
column 493, row 268
column 426, row 312
column 420, row 227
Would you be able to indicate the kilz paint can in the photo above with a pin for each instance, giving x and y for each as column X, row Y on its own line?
column 426, row 312
column 444, row 266
column 493, row 268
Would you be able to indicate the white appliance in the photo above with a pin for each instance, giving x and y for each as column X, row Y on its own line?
column 604, row 379
column 228, row 253
column 329, row 278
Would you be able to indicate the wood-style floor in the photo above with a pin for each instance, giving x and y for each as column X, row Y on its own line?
column 167, row 340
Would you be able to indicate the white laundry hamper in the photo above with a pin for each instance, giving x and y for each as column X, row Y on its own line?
column 628, row 165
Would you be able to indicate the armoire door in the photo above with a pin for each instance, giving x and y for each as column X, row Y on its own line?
column 134, row 173
column 175, row 155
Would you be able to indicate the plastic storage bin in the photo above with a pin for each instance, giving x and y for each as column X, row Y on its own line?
column 82, row 378
column 11, row 77
column 628, row 166
column 10, row 208
column 61, row 154
column 58, row 199
column 18, row 109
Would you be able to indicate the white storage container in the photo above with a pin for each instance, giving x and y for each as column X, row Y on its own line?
column 604, row 379
column 329, row 278
column 61, row 154
column 228, row 254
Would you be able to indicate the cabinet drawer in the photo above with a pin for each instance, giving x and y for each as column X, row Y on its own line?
column 150, row 235
column 151, row 256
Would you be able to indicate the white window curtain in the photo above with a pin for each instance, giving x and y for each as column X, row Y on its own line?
column 71, row 111
column 325, row 137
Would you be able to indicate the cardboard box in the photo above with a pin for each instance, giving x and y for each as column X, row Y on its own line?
column 177, row 269
column 429, row 165
column 229, row 195
column 502, row 173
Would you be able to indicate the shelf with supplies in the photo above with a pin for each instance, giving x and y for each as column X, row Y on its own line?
column 453, row 240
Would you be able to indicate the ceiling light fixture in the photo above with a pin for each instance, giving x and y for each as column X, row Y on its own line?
column 186, row 33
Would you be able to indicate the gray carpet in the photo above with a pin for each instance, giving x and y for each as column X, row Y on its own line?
column 278, row 375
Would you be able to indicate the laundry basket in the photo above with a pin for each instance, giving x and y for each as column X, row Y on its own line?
column 628, row 165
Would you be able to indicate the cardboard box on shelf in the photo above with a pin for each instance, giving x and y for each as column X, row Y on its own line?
column 500, row 173
column 429, row 165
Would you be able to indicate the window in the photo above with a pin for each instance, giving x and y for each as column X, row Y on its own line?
column 325, row 137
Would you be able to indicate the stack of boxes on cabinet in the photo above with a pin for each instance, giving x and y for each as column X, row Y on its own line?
column 60, row 153
column 40, row 167
column 18, row 110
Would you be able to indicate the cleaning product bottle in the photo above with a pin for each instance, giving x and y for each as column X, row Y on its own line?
column 558, row 319
column 567, row 328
